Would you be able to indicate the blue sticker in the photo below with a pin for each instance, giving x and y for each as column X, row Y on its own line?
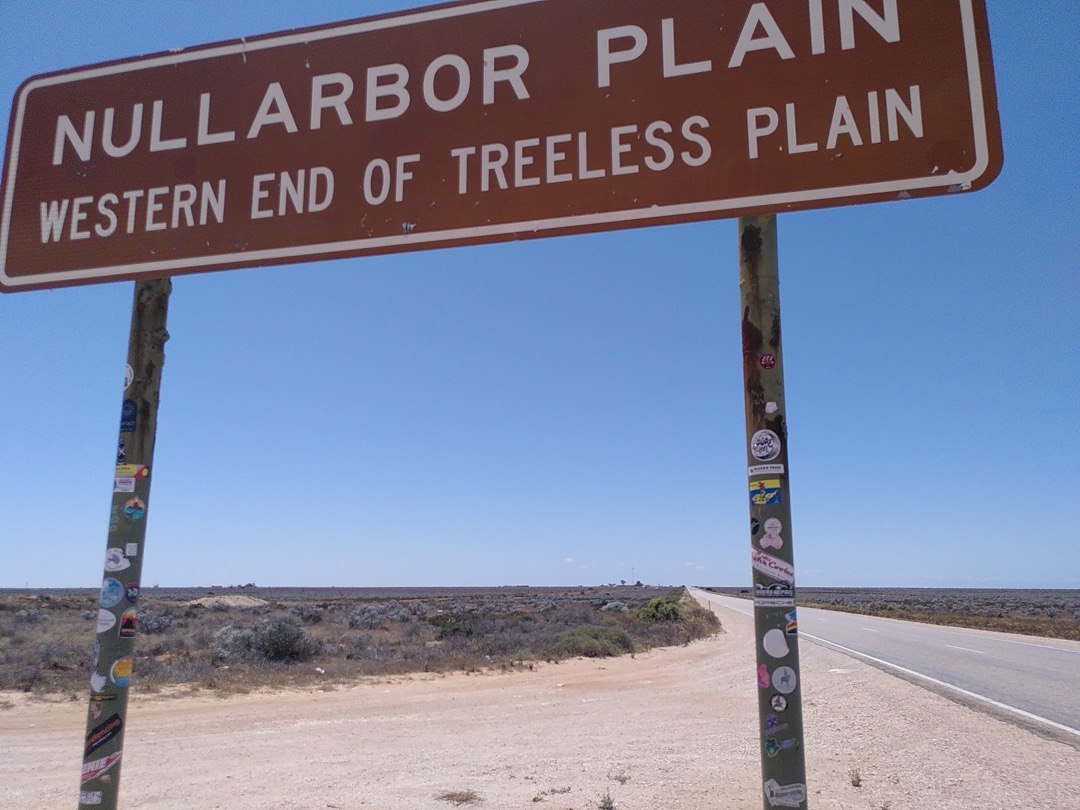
column 766, row 492
column 129, row 415
column 791, row 625
column 111, row 593
column 131, row 591
column 135, row 508
column 774, row 724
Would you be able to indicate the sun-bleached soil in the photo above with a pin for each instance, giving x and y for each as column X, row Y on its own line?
column 672, row 728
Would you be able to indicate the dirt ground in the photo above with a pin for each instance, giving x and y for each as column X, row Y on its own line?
column 672, row 729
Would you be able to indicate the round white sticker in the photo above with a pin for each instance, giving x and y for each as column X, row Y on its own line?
column 765, row 445
column 775, row 643
column 115, row 560
column 105, row 620
column 784, row 680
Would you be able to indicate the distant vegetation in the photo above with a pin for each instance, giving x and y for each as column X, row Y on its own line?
column 236, row 640
column 1051, row 613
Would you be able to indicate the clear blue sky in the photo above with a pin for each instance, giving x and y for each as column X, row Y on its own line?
column 569, row 410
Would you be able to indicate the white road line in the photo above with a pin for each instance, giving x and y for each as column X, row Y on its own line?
column 1018, row 643
column 965, row 649
column 996, row 704
column 870, row 629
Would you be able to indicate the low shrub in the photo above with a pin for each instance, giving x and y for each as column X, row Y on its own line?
column 590, row 641
column 448, row 626
column 283, row 639
column 661, row 609
column 232, row 641
column 153, row 621
column 307, row 613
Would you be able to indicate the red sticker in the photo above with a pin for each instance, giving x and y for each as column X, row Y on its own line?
column 768, row 360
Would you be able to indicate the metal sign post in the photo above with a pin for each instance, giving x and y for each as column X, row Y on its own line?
column 783, row 762
column 117, row 609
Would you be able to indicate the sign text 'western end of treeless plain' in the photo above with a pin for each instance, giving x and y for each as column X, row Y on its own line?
column 490, row 121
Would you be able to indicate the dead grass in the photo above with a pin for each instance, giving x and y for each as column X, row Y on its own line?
column 460, row 797
column 1044, row 627
column 212, row 643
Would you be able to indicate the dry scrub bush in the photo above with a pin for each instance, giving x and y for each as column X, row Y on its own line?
column 183, row 642
column 591, row 641
column 283, row 639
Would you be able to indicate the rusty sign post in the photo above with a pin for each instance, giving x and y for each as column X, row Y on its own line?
column 779, row 686
column 117, row 620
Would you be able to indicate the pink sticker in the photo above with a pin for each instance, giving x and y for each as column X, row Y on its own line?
column 763, row 679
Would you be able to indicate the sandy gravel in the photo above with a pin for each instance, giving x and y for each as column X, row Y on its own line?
column 674, row 728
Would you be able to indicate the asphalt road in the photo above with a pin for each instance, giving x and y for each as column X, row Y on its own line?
column 1032, row 680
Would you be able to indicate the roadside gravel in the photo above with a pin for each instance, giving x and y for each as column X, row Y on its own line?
column 672, row 729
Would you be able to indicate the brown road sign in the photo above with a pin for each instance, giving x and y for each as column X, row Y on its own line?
column 489, row 121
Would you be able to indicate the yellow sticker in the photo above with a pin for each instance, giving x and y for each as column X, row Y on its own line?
column 132, row 470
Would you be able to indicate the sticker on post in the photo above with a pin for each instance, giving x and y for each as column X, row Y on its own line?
column 135, row 508
column 784, row 795
column 132, row 470
column 124, row 483
column 772, row 538
column 765, row 445
column 763, row 676
column 91, row 797
column 771, row 566
column 774, row 642
column 778, row 594
column 131, row 550
column 129, row 623
column 111, row 593
column 784, row 680
column 120, row 674
column 105, row 621
column 99, row 735
column 765, row 469
column 773, row 724
column 766, row 492
column 115, row 560
column 129, row 416
column 778, row 703
column 791, row 626
column 92, row 770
